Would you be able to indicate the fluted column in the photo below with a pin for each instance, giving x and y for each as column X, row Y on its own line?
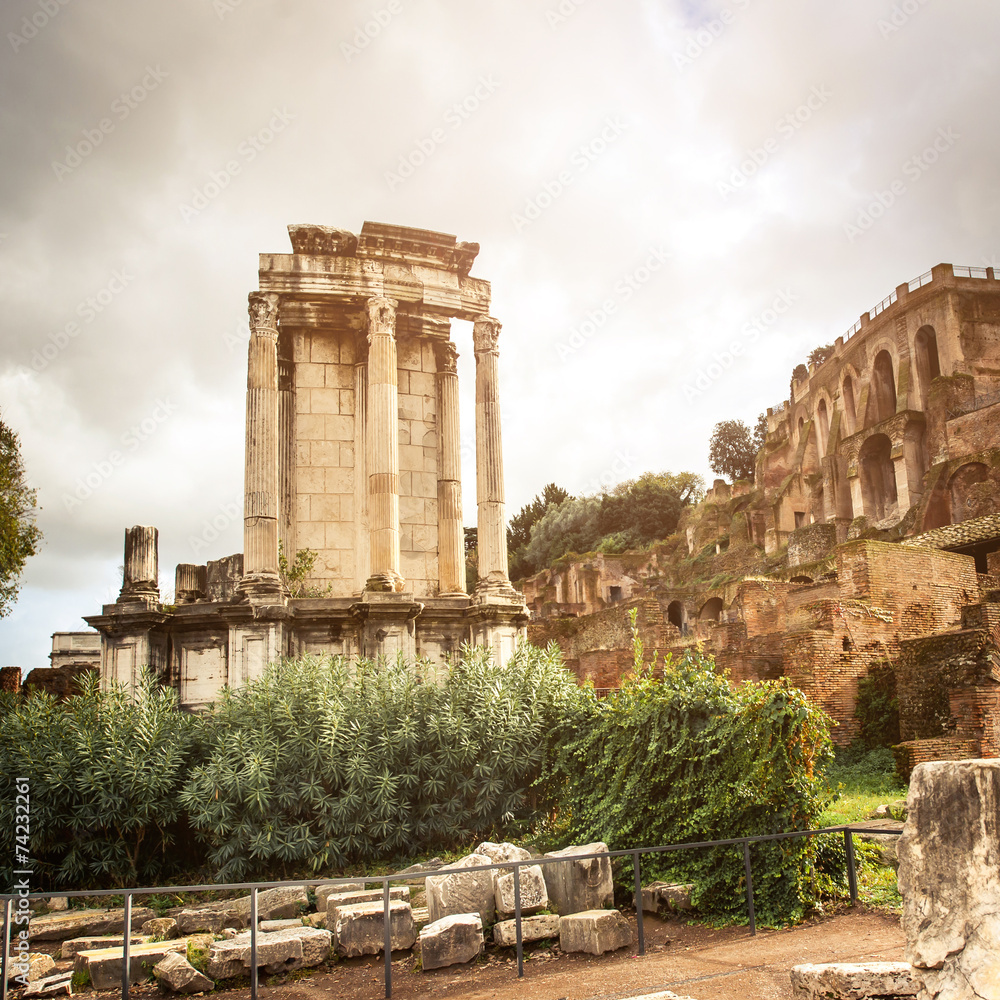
column 492, row 539
column 451, row 536
column 362, row 564
column 260, row 509
column 286, row 448
column 383, row 447
column 140, row 572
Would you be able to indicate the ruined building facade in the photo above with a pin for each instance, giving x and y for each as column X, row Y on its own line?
column 352, row 453
column 871, row 535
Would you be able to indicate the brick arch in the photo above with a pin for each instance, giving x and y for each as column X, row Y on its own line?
column 927, row 362
column 711, row 610
column 850, row 385
column 882, row 387
column 878, row 477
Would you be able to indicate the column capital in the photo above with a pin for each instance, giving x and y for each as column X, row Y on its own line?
column 381, row 317
column 485, row 333
column 446, row 355
column 263, row 310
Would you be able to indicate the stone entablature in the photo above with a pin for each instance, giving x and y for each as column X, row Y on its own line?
column 353, row 453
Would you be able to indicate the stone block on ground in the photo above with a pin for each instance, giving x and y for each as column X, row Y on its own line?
column 949, row 877
column 594, row 931
column 316, row 919
column 203, row 920
column 104, row 966
column 338, row 899
column 421, row 918
column 420, row 871
column 666, row 897
column 451, row 941
column 273, row 904
column 278, row 951
column 462, row 892
column 35, row 964
column 534, row 896
column 323, row 892
column 58, row 903
column 855, row 981
column 545, row 925
column 71, row 947
column 502, row 852
column 161, row 927
column 280, row 925
column 61, row 982
column 576, row 885
column 85, row 923
column 360, row 929
column 176, row 973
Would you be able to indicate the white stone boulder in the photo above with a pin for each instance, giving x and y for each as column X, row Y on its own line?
column 325, row 891
column 594, row 931
column 855, row 981
column 360, row 929
column 451, row 941
column 462, row 892
column 174, row 972
column 949, row 877
column 161, row 927
column 575, row 885
column 33, row 966
column 545, row 925
column 85, row 923
column 279, row 951
column 59, row 982
column 207, row 920
column 272, row 904
column 502, row 852
column 56, row 903
column 73, row 946
column 534, row 896
column 104, row 966
column 666, row 897
column 280, row 925
column 338, row 899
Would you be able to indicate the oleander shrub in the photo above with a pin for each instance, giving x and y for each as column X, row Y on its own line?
column 321, row 763
column 687, row 758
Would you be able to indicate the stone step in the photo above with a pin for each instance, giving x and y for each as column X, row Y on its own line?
column 104, row 965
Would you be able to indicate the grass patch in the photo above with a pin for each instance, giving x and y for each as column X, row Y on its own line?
column 860, row 780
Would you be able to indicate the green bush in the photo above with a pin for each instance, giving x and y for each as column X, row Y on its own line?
column 689, row 758
column 104, row 770
column 319, row 765
column 877, row 707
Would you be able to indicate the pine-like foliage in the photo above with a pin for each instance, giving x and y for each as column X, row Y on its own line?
column 317, row 764
column 104, row 769
column 689, row 758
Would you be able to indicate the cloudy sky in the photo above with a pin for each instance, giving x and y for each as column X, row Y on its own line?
column 653, row 182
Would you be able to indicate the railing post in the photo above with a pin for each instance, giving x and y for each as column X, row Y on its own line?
column 638, row 902
column 7, row 906
column 517, row 920
column 253, row 943
column 127, row 945
column 852, row 871
column 746, row 865
column 387, row 937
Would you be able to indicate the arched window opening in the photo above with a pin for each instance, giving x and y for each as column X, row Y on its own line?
column 878, row 477
column 928, row 364
column 849, row 403
column 711, row 610
column 822, row 426
column 883, row 386
column 675, row 615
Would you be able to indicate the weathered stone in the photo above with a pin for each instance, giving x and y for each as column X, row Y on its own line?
column 316, row 919
column 855, row 981
column 666, row 897
column 104, row 966
column 421, row 917
column 174, row 972
column 58, row 904
column 451, row 940
column 545, row 925
column 278, row 951
column 324, row 892
column 73, row 946
column 502, row 852
column 360, row 929
column 949, row 877
column 533, row 894
column 421, row 870
column 161, row 927
column 272, row 904
column 225, row 958
column 80, row 923
column 37, row 966
column 61, row 982
column 594, row 931
column 462, row 892
column 576, row 885
column 316, row 943
column 338, row 899
column 280, row 925
column 206, row 920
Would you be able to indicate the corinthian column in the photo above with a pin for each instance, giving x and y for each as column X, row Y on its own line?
column 260, row 508
column 361, row 529
column 489, row 461
column 383, row 447
column 451, row 537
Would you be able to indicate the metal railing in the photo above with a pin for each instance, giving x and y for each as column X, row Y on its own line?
column 635, row 854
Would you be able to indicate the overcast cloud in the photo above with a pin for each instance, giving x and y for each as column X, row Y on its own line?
column 651, row 182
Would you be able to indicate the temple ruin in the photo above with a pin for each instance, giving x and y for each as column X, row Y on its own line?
column 352, row 454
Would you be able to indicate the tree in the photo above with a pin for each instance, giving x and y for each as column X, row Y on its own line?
column 19, row 535
column 647, row 509
column 820, row 354
column 732, row 450
column 519, row 531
